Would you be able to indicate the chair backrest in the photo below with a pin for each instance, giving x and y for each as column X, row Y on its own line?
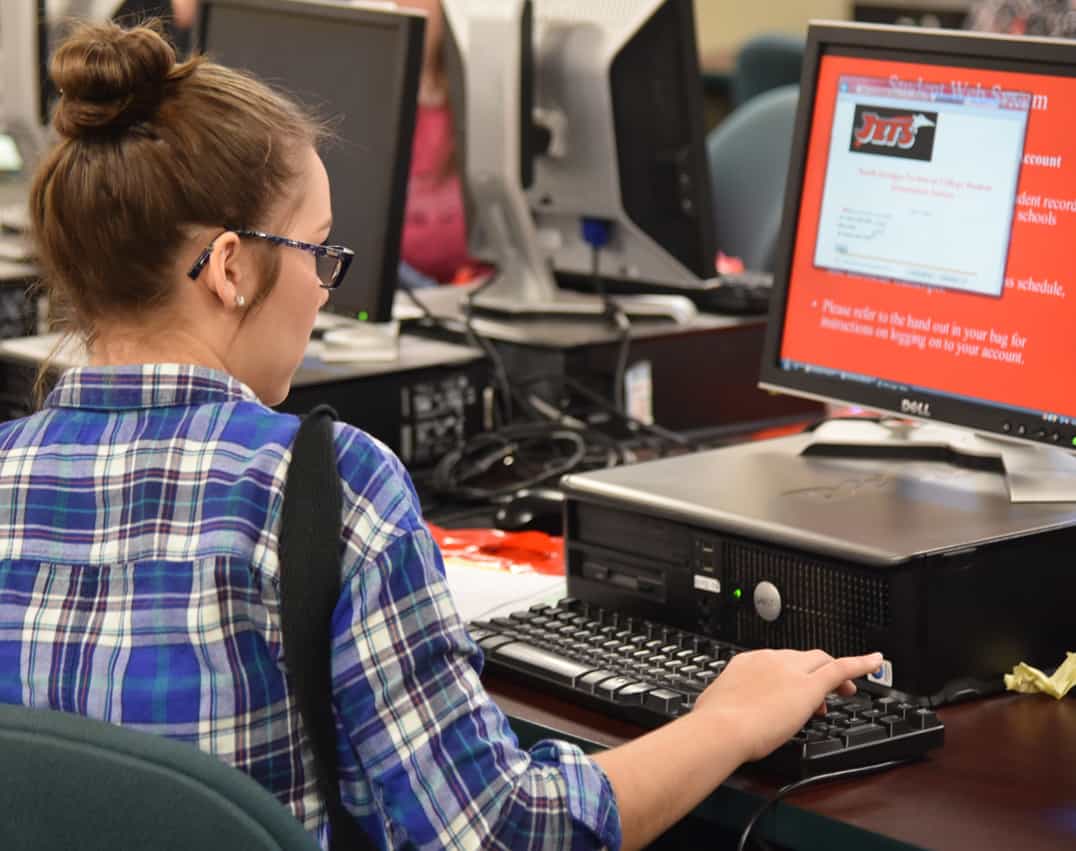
column 748, row 154
column 72, row 782
column 766, row 62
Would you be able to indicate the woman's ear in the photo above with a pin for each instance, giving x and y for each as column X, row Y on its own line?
column 223, row 273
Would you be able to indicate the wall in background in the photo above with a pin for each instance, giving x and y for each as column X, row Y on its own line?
column 724, row 24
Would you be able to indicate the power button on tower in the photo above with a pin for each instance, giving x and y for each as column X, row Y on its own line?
column 767, row 601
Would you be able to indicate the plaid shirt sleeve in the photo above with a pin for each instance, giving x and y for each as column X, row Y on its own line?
column 430, row 760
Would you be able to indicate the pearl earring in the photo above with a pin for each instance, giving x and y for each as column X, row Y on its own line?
column 240, row 301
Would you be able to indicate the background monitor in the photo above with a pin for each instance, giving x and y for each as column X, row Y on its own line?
column 586, row 157
column 925, row 262
column 619, row 89
column 357, row 65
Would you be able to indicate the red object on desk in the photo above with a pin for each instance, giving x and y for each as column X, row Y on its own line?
column 508, row 551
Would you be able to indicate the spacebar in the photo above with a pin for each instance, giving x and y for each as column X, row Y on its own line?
column 534, row 660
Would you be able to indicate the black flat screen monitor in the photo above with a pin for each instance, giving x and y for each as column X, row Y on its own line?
column 357, row 66
column 621, row 87
column 925, row 265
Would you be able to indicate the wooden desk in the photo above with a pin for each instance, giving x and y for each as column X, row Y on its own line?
column 1005, row 780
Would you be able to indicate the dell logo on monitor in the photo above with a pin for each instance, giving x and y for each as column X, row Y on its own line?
column 916, row 409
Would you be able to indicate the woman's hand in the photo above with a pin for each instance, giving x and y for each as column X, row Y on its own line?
column 772, row 693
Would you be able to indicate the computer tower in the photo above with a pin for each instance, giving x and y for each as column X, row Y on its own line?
column 425, row 403
column 764, row 546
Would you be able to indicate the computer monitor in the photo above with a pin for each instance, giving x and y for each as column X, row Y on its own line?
column 358, row 65
column 619, row 90
column 925, row 260
column 587, row 157
column 24, row 102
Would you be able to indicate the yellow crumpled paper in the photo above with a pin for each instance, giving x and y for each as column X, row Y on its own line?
column 1030, row 680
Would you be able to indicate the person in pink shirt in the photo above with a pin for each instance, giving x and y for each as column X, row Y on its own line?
column 435, row 232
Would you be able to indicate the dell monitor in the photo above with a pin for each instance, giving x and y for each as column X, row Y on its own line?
column 357, row 65
column 583, row 184
column 925, row 260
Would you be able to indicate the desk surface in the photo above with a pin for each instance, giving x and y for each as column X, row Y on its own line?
column 446, row 303
column 1005, row 779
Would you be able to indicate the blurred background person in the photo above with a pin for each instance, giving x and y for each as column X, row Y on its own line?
column 1024, row 17
column 435, row 228
column 177, row 16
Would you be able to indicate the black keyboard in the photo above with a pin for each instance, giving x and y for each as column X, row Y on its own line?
column 650, row 673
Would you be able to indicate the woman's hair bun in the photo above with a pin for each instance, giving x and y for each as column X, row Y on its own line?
column 109, row 78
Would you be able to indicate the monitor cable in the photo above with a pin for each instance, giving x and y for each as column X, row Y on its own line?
column 665, row 437
column 597, row 233
column 500, row 372
column 543, row 452
column 784, row 791
column 424, row 309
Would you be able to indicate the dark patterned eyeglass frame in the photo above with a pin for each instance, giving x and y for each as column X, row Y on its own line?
column 343, row 256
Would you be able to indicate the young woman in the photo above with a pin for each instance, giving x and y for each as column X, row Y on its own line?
column 180, row 220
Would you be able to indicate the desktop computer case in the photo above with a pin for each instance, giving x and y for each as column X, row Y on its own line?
column 927, row 563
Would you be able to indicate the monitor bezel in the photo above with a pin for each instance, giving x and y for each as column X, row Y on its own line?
column 414, row 22
column 1022, row 55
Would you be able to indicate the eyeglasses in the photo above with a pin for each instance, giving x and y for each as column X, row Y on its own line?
column 332, row 260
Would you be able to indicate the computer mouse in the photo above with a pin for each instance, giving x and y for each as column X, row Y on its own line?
column 529, row 509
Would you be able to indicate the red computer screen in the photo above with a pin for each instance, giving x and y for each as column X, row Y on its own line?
column 936, row 238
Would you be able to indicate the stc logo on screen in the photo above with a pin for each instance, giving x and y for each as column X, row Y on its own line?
column 894, row 132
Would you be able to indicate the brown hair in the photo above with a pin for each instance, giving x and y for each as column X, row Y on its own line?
column 149, row 147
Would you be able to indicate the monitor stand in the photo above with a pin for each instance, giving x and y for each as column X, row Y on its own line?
column 1033, row 474
column 524, row 285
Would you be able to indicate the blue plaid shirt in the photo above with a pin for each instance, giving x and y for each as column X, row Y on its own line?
column 139, row 584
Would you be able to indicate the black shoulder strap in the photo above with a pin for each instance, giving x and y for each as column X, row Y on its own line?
column 309, row 552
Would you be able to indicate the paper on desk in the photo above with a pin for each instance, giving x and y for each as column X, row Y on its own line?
column 1030, row 680
column 481, row 593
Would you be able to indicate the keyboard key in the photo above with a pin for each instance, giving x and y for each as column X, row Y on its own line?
column 922, row 719
column 895, row 724
column 857, row 704
column 608, row 688
column 551, row 666
column 664, row 700
column 588, row 682
column 491, row 642
column 634, row 693
column 822, row 746
column 864, row 734
column 684, row 684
